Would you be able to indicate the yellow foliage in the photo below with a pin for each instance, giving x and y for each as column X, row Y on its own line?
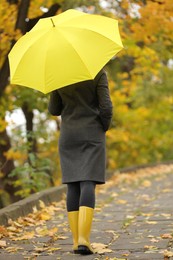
column 3, row 125
column 15, row 155
column 1, row 175
column 112, row 163
column 35, row 5
column 118, row 97
column 121, row 110
column 8, row 14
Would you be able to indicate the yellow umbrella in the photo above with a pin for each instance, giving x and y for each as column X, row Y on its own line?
column 64, row 49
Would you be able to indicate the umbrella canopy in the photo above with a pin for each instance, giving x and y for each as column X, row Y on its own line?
column 64, row 49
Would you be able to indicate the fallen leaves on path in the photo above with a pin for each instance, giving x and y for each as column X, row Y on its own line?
column 139, row 176
column 34, row 225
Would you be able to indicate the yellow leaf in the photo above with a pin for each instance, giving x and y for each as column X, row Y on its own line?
column 125, row 254
column 42, row 204
column 166, row 236
column 146, row 183
column 12, row 249
column 44, row 216
column 166, row 215
column 62, row 237
column 150, row 247
column 3, row 243
column 13, row 229
column 154, row 240
column 168, row 253
column 151, row 222
column 3, row 232
column 26, row 236
column 53, row 249
column 40, row 249
column 122, row 201
column 52, row 231
column 35, row 210
column 100, row 248
column 41, row 231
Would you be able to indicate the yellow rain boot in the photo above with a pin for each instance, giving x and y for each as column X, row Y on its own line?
column 84, row 230
column 73, row 223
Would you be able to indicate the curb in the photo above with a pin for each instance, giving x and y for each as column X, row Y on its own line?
column 25, row 206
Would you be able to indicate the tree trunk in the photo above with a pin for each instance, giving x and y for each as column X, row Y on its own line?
column 7, row 166
column 29, row 115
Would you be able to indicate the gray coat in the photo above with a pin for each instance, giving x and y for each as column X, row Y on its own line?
column 86, row 111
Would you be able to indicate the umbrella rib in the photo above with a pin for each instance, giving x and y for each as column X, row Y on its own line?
column 91, row 30
column 77, row 53
column 94, row 32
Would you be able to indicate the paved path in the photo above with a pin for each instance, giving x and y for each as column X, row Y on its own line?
column 133, row 220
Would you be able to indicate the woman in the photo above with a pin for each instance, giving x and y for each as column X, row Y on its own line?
column 86, row 111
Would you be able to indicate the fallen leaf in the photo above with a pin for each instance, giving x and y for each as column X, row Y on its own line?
column 43, row 216
column 115, row 258
column 53, row 249
column 13, row 229
column 35, row 210
column 168, row 253
column 114, row 194
column 151, row 222
column 3, row 232
column 166, row 215
column 146, row 197
column 41, row 231
column 61, row 216
column 146, row 183
column 40, row 249
column 26, row 236
column 42, row 204
column 166, row 190
column 154, row 240
column 121, row 201
column 125, row 254
column 101, row 248
column 62, row 237
column 12, row 249
column 150, row 247
column 166, row 236
column 52, row 231
column 150, row 236
column 3, row 243
column 130, row 217
column 29, row 220
column 16, row 224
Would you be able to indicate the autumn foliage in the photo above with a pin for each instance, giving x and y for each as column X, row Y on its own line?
column 140, row 81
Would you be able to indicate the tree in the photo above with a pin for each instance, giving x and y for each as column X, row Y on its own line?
column 20, row 26
column 142, row 96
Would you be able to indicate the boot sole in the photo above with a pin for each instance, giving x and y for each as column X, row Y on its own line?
column 84, row 250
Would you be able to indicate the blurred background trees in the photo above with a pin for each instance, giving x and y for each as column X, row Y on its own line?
column 140, row 80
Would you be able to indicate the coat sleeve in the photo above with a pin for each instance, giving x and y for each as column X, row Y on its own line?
column 55, row 103
column 104, row 101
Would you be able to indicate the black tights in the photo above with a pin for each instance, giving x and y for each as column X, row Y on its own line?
column 80, row 194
